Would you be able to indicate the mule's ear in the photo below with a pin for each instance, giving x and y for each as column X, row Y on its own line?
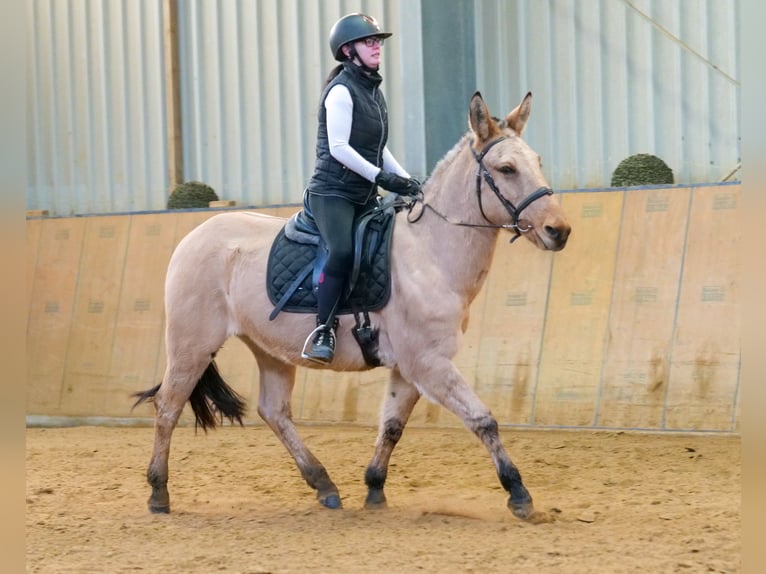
column 480, row 120
column 517, row 119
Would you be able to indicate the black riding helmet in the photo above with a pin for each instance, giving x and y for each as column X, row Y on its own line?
column 350, row 28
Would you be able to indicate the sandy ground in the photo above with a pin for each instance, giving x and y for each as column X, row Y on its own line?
column 623, row 502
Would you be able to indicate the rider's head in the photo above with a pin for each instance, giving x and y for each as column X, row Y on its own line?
column 351, row 29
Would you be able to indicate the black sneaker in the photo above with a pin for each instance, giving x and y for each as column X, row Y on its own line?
column 322, row 347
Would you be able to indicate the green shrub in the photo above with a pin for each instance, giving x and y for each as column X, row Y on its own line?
column 191, row 194
column 642, row 169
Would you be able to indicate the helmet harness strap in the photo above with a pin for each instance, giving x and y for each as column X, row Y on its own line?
column 354, row 55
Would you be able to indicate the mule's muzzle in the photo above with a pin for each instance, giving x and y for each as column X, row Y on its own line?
column 553, row 235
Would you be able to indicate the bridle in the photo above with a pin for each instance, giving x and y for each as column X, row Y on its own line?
column 513, row 210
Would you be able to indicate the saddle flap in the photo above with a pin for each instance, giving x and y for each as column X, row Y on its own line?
column 291, row 288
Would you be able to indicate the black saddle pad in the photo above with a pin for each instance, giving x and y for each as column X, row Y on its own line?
column 292, row 267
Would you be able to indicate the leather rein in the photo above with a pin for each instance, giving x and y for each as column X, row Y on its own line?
column 513, row 210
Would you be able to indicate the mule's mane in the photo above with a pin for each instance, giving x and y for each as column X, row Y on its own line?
column 449, row 157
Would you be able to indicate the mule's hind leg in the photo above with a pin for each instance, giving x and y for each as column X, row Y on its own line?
column 276, row 386
column 169, row 400
column 441, row 381
column 401, row 397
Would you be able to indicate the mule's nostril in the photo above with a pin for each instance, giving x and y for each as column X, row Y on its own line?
column 552, row 232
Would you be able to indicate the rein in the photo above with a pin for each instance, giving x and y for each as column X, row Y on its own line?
column 513, row 211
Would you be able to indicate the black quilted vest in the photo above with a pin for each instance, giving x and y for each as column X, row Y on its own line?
column 369, row 133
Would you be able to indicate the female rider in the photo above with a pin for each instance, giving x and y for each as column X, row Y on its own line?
column 351, row 161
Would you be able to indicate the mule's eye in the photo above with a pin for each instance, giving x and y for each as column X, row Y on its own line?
column 507, row 169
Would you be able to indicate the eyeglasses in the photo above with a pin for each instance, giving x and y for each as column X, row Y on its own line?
column 373, row 41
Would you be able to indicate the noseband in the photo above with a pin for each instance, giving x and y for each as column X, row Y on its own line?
column 513, row 211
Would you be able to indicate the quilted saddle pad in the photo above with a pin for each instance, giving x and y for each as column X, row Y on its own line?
column 293, row 268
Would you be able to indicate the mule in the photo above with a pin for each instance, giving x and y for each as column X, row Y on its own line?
column 491, row 180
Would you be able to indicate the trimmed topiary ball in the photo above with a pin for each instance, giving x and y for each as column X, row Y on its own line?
column 642, row 169
column 191, row 194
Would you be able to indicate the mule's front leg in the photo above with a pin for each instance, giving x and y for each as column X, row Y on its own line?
column 401, row 398
column 519, row 501
column 441, row 381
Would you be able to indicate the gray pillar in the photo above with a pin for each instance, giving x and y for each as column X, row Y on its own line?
column 449, row 62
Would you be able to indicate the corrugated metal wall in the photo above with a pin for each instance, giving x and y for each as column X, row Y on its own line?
column 95, row 106
column 610, row 78
column 252, row 74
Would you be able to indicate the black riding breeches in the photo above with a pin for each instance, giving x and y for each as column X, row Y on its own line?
column 334, row 217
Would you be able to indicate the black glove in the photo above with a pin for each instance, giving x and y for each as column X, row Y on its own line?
column 397, row 183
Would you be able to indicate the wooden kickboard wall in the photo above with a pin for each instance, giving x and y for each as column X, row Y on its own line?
column 635, row 325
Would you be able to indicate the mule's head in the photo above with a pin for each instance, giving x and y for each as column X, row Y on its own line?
column 512, row 189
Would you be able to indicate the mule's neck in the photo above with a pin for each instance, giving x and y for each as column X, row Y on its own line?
column 462, row 254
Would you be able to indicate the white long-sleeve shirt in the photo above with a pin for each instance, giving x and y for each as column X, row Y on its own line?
column 340, row 108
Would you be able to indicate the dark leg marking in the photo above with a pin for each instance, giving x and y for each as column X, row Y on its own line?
column 377, row 472
column 318, row 479
column 159, row 501
column 375, row 478
column 393, row 431
column 519, row 501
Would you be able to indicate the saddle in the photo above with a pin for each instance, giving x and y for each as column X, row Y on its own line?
column 298, row 255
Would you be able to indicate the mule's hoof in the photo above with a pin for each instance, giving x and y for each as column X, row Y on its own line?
column 159, row 509
column 331, row 501
column 522, row 509
column 375, row 499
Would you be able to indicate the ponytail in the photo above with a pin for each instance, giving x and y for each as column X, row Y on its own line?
column 333, row 73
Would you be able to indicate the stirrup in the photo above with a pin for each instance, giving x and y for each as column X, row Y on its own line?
column 324, row 354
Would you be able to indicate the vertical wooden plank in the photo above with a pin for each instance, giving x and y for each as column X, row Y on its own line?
column 34, row 229
column 349, row 397
column 173, row 93
column 704, row 371
column 646, row 281
column 50, row 311
column 372, row 386
column 87, row 383
column 429, row 414
column 736, row 424
column 140, row 314
column 357, row 396
column 578, row 309
column 511, row 329
column 330, row 396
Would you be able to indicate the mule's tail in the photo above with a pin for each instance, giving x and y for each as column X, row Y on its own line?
column 211, row 400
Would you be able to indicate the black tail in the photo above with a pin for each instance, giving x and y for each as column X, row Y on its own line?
column 144, row 396
column 211, row 395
